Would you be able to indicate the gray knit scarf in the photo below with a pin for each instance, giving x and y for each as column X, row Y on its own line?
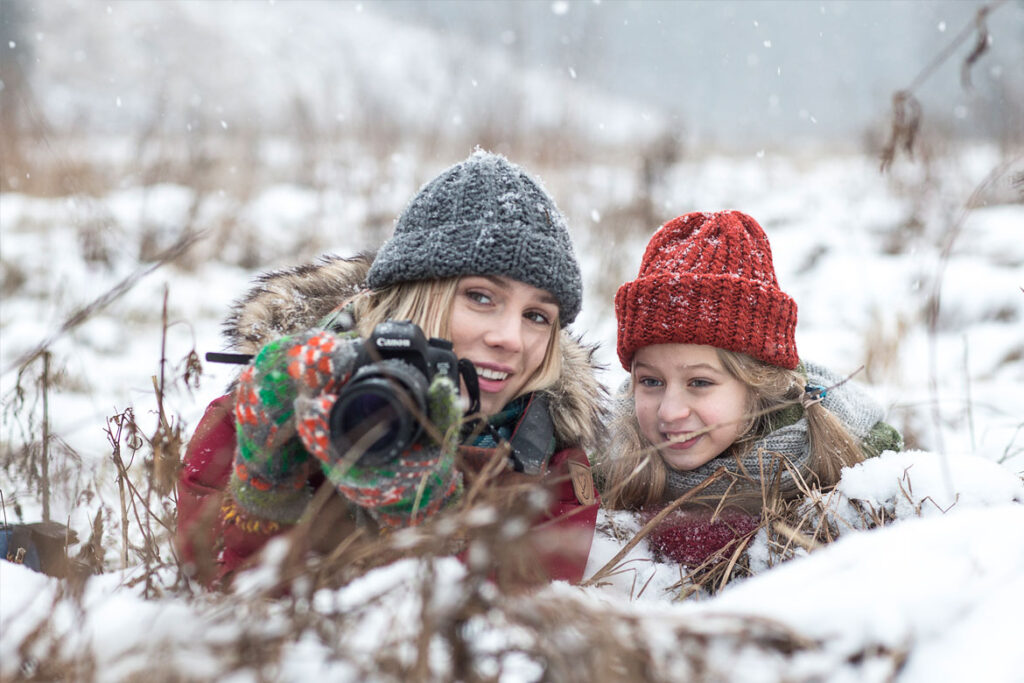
column 849, row 402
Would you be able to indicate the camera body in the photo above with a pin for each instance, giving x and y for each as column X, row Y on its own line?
column 382, row 408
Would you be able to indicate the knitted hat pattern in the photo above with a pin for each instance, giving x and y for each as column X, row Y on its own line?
column 483, row 216
column 708, row 278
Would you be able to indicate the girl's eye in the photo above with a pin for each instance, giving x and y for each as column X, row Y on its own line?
column 649, row 382
column 538, row 317
column 700, row 383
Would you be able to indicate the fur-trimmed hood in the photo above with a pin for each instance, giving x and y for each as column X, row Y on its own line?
column 295, row 299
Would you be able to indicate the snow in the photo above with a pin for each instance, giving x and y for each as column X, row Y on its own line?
column 937, row 593
column 960, row 480
column 974, row 555
column 929, row 598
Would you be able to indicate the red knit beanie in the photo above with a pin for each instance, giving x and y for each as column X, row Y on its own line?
column 708, row 278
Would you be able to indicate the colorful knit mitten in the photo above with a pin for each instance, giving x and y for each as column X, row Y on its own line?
column 283, row 402
column 271, row 466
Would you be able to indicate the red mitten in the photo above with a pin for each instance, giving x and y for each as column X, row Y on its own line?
column 692, row 537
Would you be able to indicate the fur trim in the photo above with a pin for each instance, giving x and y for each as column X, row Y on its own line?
column 579, row 401
column 295, row 299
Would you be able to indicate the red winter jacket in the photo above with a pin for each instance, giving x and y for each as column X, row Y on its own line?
column 206, row 534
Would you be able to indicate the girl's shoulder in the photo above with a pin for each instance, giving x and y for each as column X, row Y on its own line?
column 845, row 398
column 859, row 411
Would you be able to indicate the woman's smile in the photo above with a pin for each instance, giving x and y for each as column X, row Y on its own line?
column 492, row 377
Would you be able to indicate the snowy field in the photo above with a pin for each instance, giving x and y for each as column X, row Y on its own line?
column 917, row 276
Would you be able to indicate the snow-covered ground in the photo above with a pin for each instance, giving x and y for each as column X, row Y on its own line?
column 935, row 595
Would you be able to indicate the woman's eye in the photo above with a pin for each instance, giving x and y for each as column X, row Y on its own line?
column 478, row 297
column 538, row 317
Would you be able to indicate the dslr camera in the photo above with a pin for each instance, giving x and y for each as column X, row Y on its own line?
column 380, row 410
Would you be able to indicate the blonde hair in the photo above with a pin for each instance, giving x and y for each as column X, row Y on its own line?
column 429, row 303
column 635, row 474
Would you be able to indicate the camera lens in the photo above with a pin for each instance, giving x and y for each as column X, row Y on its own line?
column 369, row 414
column 375, row 415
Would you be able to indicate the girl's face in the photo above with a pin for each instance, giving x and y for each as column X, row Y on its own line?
column 680, row 389
column 503, row 326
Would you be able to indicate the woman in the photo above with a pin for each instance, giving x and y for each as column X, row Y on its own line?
column 481, row 256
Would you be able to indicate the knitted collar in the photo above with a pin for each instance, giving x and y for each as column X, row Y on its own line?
column 788, row 446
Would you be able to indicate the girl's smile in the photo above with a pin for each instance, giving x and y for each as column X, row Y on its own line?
column 678, row 442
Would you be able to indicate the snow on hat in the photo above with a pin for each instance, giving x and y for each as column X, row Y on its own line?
column 708, row 278
column 483, row 216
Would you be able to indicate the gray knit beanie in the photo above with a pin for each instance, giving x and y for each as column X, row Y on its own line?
column 483, row 216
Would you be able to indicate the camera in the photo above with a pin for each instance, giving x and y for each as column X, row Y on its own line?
column 379, row 411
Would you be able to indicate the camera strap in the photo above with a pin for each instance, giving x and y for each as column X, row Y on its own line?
column 468, row 373
column 533, row 440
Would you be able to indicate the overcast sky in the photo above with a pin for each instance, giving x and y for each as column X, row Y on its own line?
column 749, row 70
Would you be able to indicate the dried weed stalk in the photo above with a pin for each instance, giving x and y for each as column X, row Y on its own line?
column 906, row 110
column 33, row 453
column 933, row 304
column 86, row 311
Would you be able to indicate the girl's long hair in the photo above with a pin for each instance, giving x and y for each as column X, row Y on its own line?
column 635, row 474
column 428, row 303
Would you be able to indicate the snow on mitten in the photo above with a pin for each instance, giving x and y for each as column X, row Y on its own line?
column 271, row 465
column 412, row 487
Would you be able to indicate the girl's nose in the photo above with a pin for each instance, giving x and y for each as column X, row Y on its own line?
column 673, row 407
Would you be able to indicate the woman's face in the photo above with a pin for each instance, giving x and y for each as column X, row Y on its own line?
column 680, row 389
column 503, row 326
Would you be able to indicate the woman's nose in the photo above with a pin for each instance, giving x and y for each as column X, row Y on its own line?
column 506, row 332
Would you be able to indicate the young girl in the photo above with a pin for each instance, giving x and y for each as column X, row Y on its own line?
column 715, row 382
column 481, row 256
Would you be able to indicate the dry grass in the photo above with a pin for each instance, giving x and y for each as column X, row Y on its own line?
column 562, row 634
